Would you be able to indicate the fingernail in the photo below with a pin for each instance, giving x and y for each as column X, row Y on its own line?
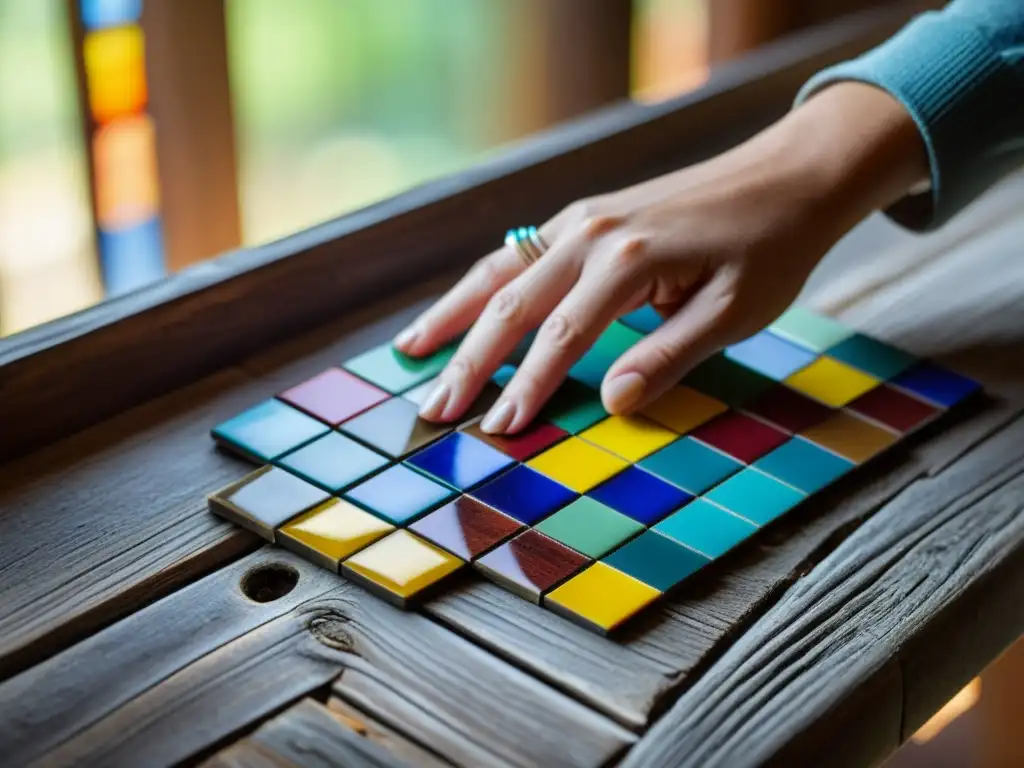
column 407, row 337
column 624, row 391
column 433, row 406
column 499, row 418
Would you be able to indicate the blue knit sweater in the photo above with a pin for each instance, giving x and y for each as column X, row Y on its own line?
column 959, row 72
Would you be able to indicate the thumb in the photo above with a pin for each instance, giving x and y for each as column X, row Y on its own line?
column 702, row 326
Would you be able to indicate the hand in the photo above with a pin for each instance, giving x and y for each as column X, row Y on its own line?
column 720, row 249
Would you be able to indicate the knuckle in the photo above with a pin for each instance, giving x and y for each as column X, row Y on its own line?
column 462, row 367
column 661, row 356
column 630, row 254
column 507, row 305
column 562, row 331
column 488, row 274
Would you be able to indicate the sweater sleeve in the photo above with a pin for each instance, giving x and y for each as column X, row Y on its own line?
column 959, row 72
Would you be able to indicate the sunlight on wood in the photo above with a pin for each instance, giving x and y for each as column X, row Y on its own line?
column 959, row 704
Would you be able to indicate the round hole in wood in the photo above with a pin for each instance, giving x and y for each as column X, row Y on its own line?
column 269, row 582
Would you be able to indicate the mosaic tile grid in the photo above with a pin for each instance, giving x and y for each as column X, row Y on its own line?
column 594, row 517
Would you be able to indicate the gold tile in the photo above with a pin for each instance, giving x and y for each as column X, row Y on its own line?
column 331, row 532
column 683, row 409
column 850, row 436
column 601, row 597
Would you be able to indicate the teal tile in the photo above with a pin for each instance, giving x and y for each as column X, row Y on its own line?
column 504, row 375
column 574, row 407
column 691, row 465
column 609, row 347
column 268, row 430
column 755, row 496
column 333, row 462
column 732, row 383
column 872, row 356
column 656, row 560
column 395, row 372
column 707, row 528
column 644, row 320
column 589, row 527
column 810, row 329
column 804, row 465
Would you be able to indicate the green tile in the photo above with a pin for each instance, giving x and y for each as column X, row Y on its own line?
column 707, row 528
column 609, row 347
column 691, row 465
column 804, row 465
column 588, row 526
column 810, row 329
column 395, row 372
column 656, row 560
column 574, row 408
column 755, row 496
column 872, row 356
column 730, row 382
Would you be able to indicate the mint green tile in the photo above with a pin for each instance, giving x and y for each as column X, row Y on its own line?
column 707, row 528
column 871, row 356
column 755, row 496
column 574, row 408
column 609, row 347
column 804, row 465
column 810, row 329
column 395, row 372
column 588, row 526
column 691, row 465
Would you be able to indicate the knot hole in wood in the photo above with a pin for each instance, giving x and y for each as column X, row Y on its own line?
column 269, row 582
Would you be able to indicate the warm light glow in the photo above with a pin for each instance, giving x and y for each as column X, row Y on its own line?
column 670, row 40
column 959, row 704
column 124, row 153
column 115, row 72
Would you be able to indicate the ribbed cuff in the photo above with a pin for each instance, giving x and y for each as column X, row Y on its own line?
column 952, row 83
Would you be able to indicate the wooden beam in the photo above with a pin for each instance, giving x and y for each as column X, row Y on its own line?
column 190, row 100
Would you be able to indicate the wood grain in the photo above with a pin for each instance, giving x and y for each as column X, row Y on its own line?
column 880, row 620
column 304, row 280
column 171, row 681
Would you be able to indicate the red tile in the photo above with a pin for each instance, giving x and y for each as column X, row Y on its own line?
column 334, row 396
column 741, row 436
column 789, row 410
column 892, row 408
column 531, row 564
column 525, row 444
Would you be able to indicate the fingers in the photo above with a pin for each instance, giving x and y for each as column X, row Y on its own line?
column 606, row 285
column 699, row 328
column 511, row 313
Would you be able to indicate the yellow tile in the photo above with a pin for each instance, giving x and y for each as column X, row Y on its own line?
column 577, row 464
column 631, row 437
column 601, row 596
column 400, row 566
column 335, row 530
column 683, row 409
column 850, row 436
column 832, row 382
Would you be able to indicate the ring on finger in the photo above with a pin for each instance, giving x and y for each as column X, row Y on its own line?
column 527, row 243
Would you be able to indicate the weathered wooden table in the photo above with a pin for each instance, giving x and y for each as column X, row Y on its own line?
column 137, row 629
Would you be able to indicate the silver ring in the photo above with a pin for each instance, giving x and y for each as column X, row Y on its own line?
column 527, row 242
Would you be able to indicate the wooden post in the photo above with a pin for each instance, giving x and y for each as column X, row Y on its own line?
column 190, row 100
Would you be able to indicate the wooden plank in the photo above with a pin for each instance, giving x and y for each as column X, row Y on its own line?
column 190, row 100
column 309, row 734
column 395, row 743
column 170, row 681
column 205, row 314
column 932, row 575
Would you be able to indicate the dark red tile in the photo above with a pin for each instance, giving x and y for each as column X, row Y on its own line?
column 892, row 408
column 466, row 527
column 524, row 445
column 531, row 564
column 742, row 437
column 789, row 410
column 334, row 396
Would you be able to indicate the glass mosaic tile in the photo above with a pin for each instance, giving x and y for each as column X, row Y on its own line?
column 267, row 430
column 333, row 462
column 640, row 495
column 399, row 494
column 524, row 494
column 460, row 460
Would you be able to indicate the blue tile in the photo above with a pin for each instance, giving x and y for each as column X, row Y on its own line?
column 804, row 465
column 656, row 560
column 937, row 384
column 706, row 528
column 691, row 465
column 640, row 495
column 755, row 496
column 504, row 375
column 645, row 320
column 524, row 494
column 460, row 460
column 767, row 354
column 333, row 461
column 399, row 494
column 268, row 430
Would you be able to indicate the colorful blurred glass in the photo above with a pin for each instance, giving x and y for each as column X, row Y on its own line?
column 126, row 188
